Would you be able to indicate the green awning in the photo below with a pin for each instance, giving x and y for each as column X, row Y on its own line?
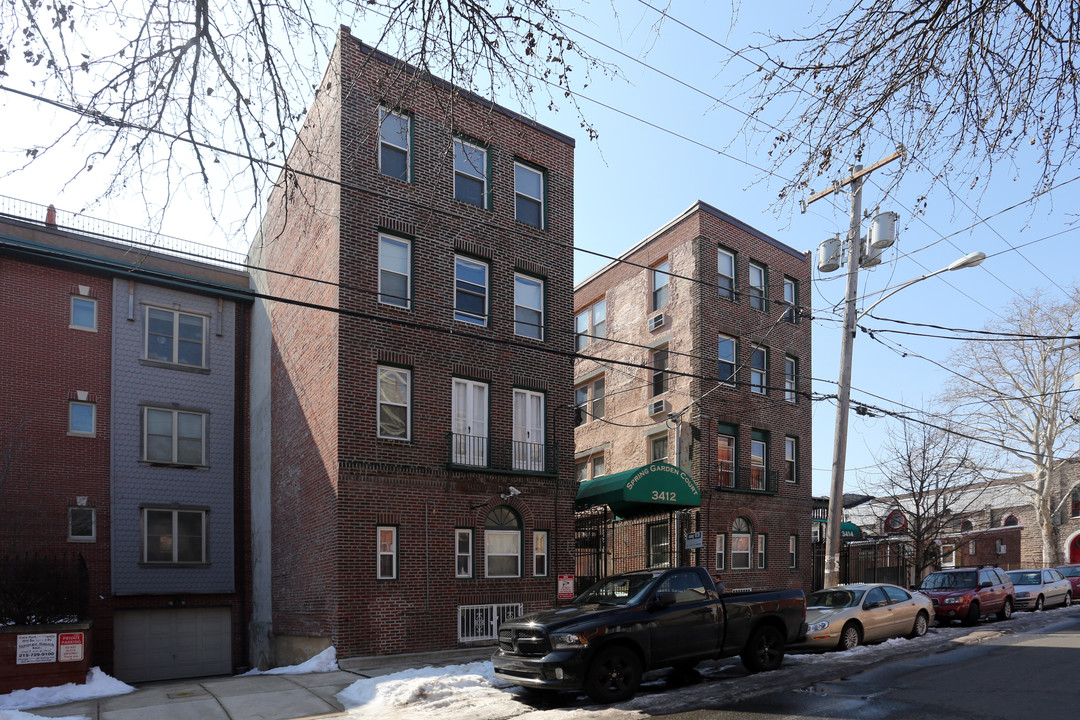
column 649, row 488
column 848, row 531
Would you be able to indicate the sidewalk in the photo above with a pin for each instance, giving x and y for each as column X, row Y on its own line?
column 255, row 697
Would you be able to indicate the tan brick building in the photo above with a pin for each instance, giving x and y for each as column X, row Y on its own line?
column 696, row 354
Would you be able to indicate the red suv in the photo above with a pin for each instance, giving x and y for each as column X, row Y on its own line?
column 969, row 593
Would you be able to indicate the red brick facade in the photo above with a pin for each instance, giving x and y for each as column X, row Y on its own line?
column 334, row 483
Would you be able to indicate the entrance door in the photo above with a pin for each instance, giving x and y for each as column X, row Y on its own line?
column 470, row 423
column 1074, row 550
column 528, row 430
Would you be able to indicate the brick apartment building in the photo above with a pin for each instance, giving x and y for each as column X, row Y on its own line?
column 412, row 480
column 707, row 428
column 122, row 410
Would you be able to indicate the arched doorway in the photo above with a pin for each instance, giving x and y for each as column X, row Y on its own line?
column 1074, row 549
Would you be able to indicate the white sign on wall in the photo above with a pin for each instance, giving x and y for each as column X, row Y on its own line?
column 38, row 648
column 693, row 540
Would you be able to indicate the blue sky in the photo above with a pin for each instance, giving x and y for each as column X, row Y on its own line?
column 636, row 177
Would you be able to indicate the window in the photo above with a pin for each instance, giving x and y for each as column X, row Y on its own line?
column 529, row 433
column 386, row 552
column 395, row 271
column 1010, row 521
column 590, row 324
column 791, row 460
column 660, row 279
column 948, row 556
column 758, row 457
column 463, row 553
column 971, row 547
column 395, row 403
column 793, row 551
column 791, row 379
column 83, row 313
column 1076, row 503
column 720, row 550
column 725, row 459
column 82, row 419
column 529, row 193
column 598, row 467
column 758, row 287
column 581, row 405
column 658, row 448
column 725, row 268
column 540, row 553
column 741, row 531
column 759, row 360
column 394, row 144
column 174, row 536
column 469, row 422
column 726, row 355
column 656, row 535
column 791, row 300
column 173, row 436
column 175, row 337
column 471, row 291
column 761, row 551
column 470, row 173
column 581, row 471
column 502, row 543
column 659, row 371
column 82, row 524
column 966, row 526
column 598, row 391
column 528, row 307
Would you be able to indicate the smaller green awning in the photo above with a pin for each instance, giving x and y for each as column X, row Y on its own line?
column 649, row 488
column 848, row 531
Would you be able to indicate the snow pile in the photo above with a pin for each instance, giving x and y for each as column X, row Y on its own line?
column 326, row 661
column 20, row 715
column 98, row 684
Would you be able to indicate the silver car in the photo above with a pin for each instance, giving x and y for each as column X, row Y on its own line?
column 846, row 616
column 1036, row 589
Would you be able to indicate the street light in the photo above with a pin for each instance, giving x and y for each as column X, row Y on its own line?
column 836, row 493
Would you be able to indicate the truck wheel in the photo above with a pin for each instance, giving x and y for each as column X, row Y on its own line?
column 613, row 675
column 1006, row 610
column 764, row 650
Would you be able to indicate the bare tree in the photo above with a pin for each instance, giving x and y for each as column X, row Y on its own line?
column 927, row 474
column 215, row 92
column 963, row 85
column 1017, row 390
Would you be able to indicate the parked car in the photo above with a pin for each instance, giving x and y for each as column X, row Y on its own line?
column 627, row 624
column 967, row 594
column 1072, row 574
column 846, row 616
column 1036, row 589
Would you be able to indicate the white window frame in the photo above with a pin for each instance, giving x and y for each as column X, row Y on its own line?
column 791, row 459
column 793, row 551
column 464, row 315
column 581, row 405
column 461, row 534
column 727, row 290
column 488, row 554
column 175, row 434
column 379, row 402
column 791, row 379
column 406, row 148
column 384, row 549
column 654, row 552
column 529, row 430
column 92, row 537
column 175, row 512
column 759, row 460
column 594, row 462
column 587, row 327
column 519, row 193
column 653, row 440
column 405, row 302
column 721, row 550
column 732, row 467
column 540, row 553
column 762, row 546
column 72, row 430
column 599, row 393
column 93, row 312
column 791, row 311
column 759, row 375
column 175, row 336
column 659, row 376
column 470, row 421
column 468, row 170
column 741, row 546
column 759, row 286
column 660, row 285
column 732, row 360
column 948, row 551
column 531, row 330
column 581, row 471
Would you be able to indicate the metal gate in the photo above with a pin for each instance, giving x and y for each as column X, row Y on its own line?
column 605, row 545
column 868, row 561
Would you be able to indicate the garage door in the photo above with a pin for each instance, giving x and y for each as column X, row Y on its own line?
column 169, row 644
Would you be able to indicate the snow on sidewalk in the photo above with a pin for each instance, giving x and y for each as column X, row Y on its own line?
column 97, row 685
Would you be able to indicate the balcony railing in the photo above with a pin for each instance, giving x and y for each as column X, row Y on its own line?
column 500, row 455
column 750, row 479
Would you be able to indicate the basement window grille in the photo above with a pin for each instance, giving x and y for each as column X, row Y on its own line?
column 481, row 622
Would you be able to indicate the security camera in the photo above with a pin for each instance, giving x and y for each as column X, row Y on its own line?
column 513, row 491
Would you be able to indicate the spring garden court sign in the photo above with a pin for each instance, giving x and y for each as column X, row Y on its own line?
column 643, row 490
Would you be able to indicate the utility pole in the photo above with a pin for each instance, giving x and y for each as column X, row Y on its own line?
column 843, row 403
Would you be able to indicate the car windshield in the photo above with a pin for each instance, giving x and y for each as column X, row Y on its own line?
column 1070, row 571
column 618, row 590
column 830, row 599
column 948, row 581
column 1025, row 578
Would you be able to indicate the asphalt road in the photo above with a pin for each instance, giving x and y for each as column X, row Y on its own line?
column 1014, row 676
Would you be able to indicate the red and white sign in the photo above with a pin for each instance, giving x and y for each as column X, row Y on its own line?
column 71, row 647
column 566, row 587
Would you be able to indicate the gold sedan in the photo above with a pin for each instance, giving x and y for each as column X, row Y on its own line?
column 847, row 616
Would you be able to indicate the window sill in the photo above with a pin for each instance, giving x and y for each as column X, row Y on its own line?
column 394, row 442
column 83, row 328
column 82, row 539
column 82, row 434
column 174, row 366
column 174, row 566
column 183, row 466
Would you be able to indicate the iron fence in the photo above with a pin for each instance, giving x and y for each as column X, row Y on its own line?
column 43, row 589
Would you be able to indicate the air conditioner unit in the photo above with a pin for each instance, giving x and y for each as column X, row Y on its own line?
column 657, row 406
column 656, row 322
column 1000, row 547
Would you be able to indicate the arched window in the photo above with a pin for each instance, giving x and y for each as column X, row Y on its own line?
column 741, row 534
column 1010, row 521
column 966, row 526
column 502, row 543
column 1076, row 503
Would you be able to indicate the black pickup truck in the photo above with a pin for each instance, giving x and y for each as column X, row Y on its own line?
column 627, row 624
